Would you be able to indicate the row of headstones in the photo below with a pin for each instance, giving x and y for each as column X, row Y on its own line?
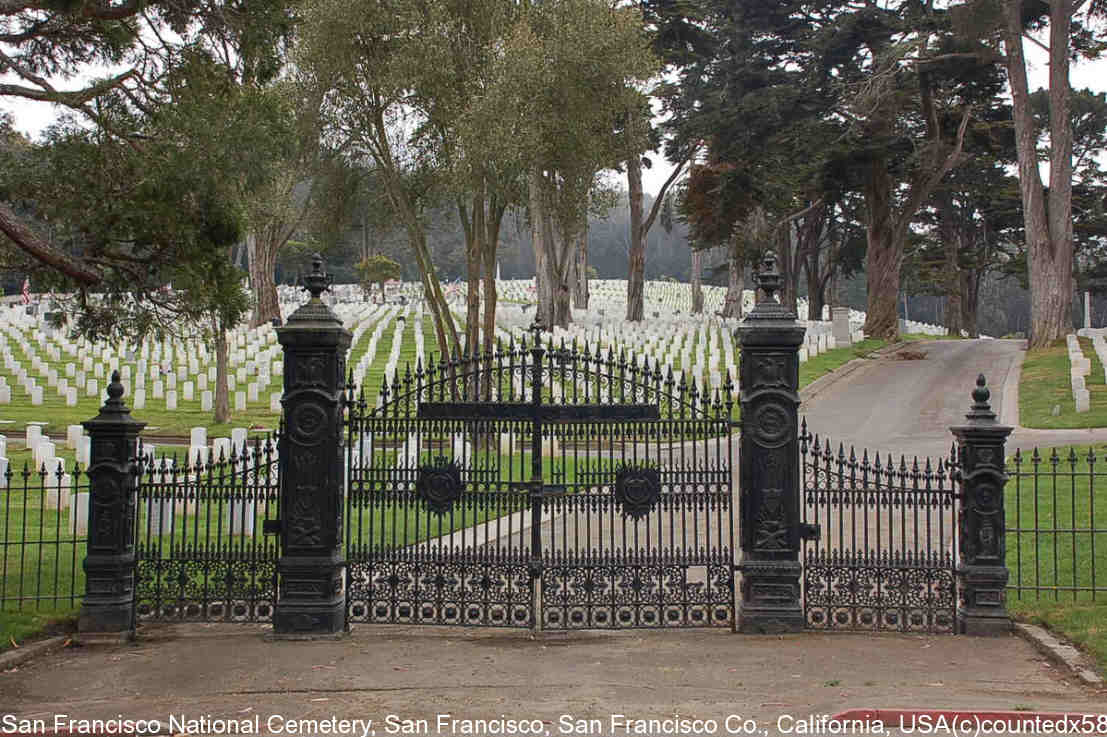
column 234, row 453
column 57, row 482
column 152, row 359
column 1079, row 368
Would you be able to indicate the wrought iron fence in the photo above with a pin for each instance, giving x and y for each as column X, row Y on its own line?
column 43, row 529
column 1056, row 545
column 199, row 544
column 886, row 548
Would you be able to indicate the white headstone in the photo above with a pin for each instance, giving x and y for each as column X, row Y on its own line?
column 73, row 435
column 198, row 436
column 242, row 516
column 84, row 450
column 139, row 398
column 240, row 401
column 78, row 513
column 220, row 449
column 171, row 400
column 159, row 517
column 205, row 400
column 275, row 402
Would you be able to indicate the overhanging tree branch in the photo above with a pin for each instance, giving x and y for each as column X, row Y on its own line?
column 43, row 252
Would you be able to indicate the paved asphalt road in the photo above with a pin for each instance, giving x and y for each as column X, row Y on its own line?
column 907, row 406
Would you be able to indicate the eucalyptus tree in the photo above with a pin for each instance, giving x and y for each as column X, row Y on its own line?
column 1072, row 30
column 569, row 82
column 678, row 37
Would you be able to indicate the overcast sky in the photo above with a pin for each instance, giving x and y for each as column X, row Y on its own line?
column 32, row 117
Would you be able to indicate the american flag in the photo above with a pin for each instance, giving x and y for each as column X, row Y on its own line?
column 26, row 291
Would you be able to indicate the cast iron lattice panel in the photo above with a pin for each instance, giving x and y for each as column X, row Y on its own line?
column 206, row 590
column 867, row 591
column 583, row 594
column 457, row 592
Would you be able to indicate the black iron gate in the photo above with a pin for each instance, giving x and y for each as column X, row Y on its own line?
column 886, row 552
column 540, row 487
column 200, row 551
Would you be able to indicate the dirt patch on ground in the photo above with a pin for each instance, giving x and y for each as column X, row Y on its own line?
column 910, row 355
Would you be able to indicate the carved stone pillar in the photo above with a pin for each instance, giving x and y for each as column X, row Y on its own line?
column 982, row 565
column 769, row 510
column 310, row 599
column 108, row 605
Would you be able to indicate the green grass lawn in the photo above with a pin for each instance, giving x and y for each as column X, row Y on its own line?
column 1057, row 544
column 1044, row 383
column 824, row 363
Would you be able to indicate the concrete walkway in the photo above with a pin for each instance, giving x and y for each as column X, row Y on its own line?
column 231, row 671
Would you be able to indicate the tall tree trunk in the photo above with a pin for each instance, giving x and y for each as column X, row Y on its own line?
column 262, row 248
column 474, row 226
column 950, row 231
column 883, row 257
column 580, row 269
column 816, row 293
column 222, row 405
column 1048, row 239
column 732, row 305
column 970, row 301
column 789, row 274
column 542, row 238
column 697, row 282
column 491, row 244
column 637, row 255
column 561, row 267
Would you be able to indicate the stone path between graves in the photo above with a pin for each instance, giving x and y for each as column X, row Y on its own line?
column 231, row 671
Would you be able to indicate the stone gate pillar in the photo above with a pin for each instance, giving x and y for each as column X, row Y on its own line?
column 310, row 596
column 981, row 526
column 769, row 512
column 107, row 609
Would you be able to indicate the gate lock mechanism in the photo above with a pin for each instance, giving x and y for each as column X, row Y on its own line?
column 810, row 531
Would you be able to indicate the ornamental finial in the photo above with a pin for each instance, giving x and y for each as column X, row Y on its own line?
column 115, row 389
column 317, row 281
column 768, row 278
column 981, row 410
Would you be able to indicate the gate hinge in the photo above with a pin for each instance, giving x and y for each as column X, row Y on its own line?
column 809, row 531
column 271, row 527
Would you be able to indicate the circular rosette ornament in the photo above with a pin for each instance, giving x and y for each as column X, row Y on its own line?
column 637, row 489
column 439, row 485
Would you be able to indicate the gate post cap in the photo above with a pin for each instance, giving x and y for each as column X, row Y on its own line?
column 768, row 278
column 980, row 416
